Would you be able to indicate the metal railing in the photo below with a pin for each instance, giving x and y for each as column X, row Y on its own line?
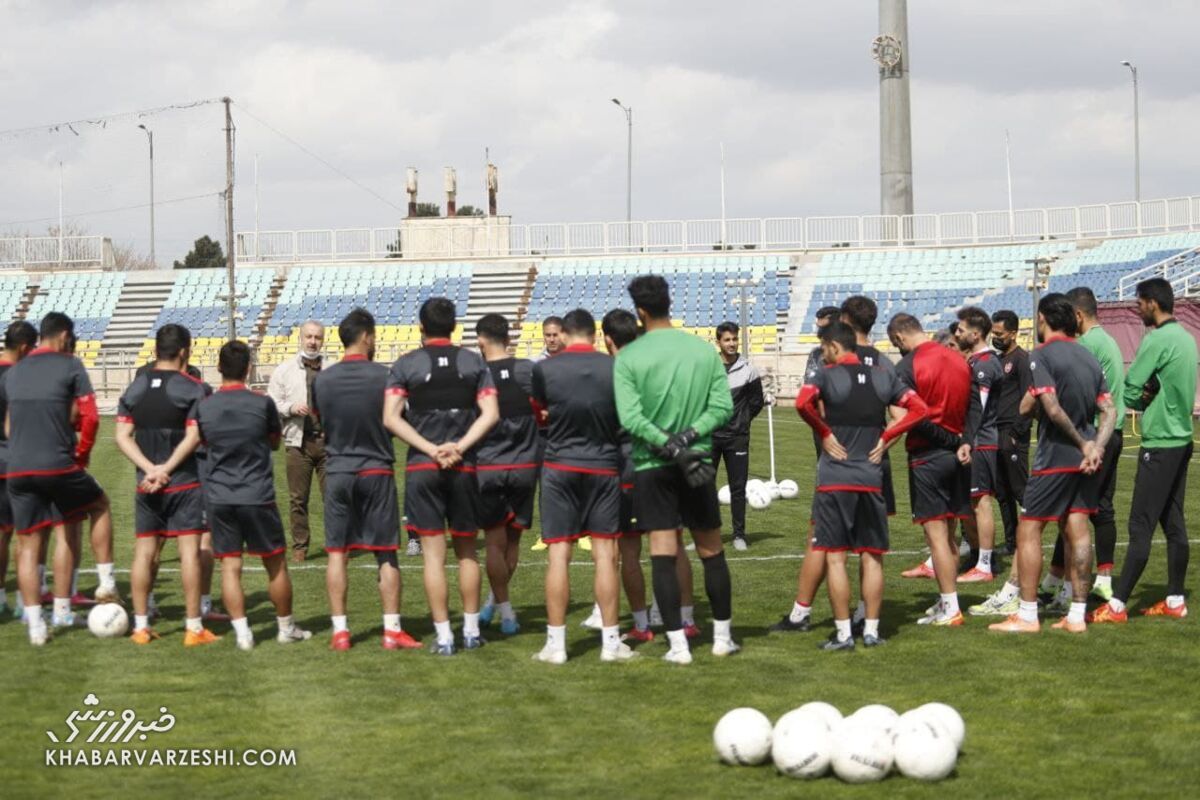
column 705, row 235
column 48, row 252
column 1181, row 269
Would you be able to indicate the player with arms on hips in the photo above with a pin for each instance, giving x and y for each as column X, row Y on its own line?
column 671, row 394
column 1068, row 391
column 507, row 467
column 19, row 340
column 849, row 510
column 581, row 487
column 441, row 402
column 240, row 428
column 360, row 488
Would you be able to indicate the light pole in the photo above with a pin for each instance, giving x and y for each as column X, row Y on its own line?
column 1137, row 145
column 150, row 136
column 628, row 162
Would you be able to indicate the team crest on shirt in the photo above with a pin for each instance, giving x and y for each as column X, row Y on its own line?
column 980, row 374
column 1146, row 457
column 1008, row 368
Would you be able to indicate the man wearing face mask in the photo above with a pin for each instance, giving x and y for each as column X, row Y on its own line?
column 291, row 388
column 1012, row 471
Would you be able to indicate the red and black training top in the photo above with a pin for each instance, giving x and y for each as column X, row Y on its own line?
column 348, row 397
column 160, row 404
column 943, row 380
column 575, row 391
column 38, row 393
column 513, row 443
column 1063, row 367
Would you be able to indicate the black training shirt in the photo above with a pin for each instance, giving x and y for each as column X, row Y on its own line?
column 1063, row 367
column 513, row 442
column 160, row 404
column 575, row 388
column 348, row 397
column 239, row 426
column 39, row 392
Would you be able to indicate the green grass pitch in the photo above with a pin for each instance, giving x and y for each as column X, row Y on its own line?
column 1113, row 713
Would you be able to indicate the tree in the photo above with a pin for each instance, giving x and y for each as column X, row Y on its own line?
column 469, row 211
column 205, row 254
column 428, row 210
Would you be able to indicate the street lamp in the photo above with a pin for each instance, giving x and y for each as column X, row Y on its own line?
column 628, row 161
column 1137, row 147
column 150, row 136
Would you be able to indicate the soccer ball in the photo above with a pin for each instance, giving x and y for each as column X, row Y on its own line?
column 949, row 719
column 743, row 736
column 788, row 489
column 772, row 488
column 924, row 751
column 876, row 716
column 758, row 497
column 861, row 753
column 724, row 495
column 822, row 711
column 801, row 745
column 754, row 485
column 108, row 620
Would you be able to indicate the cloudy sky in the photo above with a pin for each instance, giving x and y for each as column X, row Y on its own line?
column 374, row 87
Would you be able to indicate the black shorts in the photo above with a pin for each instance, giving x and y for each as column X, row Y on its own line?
column 983, row 473
column 170, row 513
column 662, row 500
column 435, row 499
column 248, row 530
column 506, row 496
column 937, row 487
column 6, row 519
column 850, row 521
column 42, row 501
column 578, row 502
column 628, row 526
column 1051, row 496
column 361, row 511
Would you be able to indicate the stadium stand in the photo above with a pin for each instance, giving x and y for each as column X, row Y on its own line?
column 88, row 297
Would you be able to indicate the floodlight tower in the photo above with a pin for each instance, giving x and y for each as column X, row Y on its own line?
column 890, row 51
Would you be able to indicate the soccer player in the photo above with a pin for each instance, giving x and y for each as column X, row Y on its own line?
column 936, row 489
column 47, row 484
column 1161, row 382
column 156, row 431
column 671, row 394
column 19, row 339
column 507, row 468
column 731, row 441
column 1012, row 464
column 240, row 429
column 581, row 487
column 360, row 490
column 441, row 402
column 848, row 507
column 981, row 438
column 1068, row 390
column 824, row 316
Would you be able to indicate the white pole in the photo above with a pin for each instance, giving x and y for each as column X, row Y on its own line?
column 60, row 215
column 771, row 439
column 256, row 250
column 724, row 239
column 1008, row 170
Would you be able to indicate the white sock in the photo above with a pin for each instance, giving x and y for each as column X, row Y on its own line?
column 205, row 604
column 860, row 612
column 42, row 587
column 800, row 612
column 33, row 617
column 74, row 582
column 1051, row 582
column 641, row 619
column 286, row 624
column 1077, row 611
column 677, row 640
column 391, row 622
column 1104, row 580
column 950, row 604
column 843, row 629
column 985, row 560
column 444, row 634
column 1174, row 600
column 194, row 624
column 596, row 610
column 556, row 636
column 62, row 606
column 470, row 623
column 1117, row 605
column 105, row 571
column 491, row 599
column 871, row 627
column 506, row 610
column 687, row 614
column 242, row 628
column 1008, row 591
column 1028, row 611
column 722, row 629
column 140, row 623
column 610, row 637
column 339, row 623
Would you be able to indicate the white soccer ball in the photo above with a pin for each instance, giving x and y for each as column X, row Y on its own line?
column 924, row 751
column 801, row 745
column 949, row 719
column 758, row 498
column 743, row 736
column 861, row 753
column 724, row 495
column 788, row 489
column 772, row 488
column 754, row 484
column 108, row 620
column 875, row 715
column 823, row 711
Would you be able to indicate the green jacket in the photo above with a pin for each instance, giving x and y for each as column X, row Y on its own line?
column 1106, row 350
column 1168, row 353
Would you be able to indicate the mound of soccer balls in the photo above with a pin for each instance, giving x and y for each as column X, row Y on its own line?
column 759, row 494
column 810, row 741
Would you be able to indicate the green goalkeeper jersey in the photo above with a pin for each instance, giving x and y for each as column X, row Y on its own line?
column 1167, row 353
column 666, row 382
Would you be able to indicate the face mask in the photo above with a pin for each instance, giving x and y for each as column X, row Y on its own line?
column 999, row 344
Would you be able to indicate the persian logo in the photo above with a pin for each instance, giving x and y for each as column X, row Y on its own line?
column 109, row 726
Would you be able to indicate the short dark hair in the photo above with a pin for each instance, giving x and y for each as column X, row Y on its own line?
column 553, row 319
column 579, row 322
column 1008, row 318
column 20, row 332
column 1058, row 312
column 860, row 312
column 841, row 333
column 233, row 361
column 55, row 323
column 1084, row 300
column 170, row 340
column 1158, row 290
column 975, row 317
column 493, row 327
column 621, row 326
column 904, row 323
column 355, row 325
column 728, row 327
column 827, row 312
column 437, row 316
column 651, row 294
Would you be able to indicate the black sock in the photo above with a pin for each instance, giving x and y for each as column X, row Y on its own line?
column 718, row 586
column 666, row 590
column 1178, row 551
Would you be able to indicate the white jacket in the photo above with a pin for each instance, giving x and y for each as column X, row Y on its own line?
column 288, row 387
